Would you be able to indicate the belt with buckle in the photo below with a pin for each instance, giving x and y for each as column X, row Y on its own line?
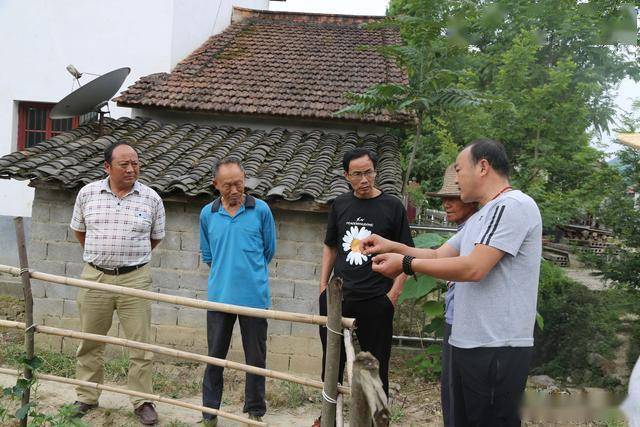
column 117, row 270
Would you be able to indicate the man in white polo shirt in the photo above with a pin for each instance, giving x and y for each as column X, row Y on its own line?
column 118, row 221
column 495, row 262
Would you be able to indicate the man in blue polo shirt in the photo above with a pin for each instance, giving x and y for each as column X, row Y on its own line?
column 237, row 240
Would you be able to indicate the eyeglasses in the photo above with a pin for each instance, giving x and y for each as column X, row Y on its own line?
column 370, row 173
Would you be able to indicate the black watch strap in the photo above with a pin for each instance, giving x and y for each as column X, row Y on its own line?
column 406, row 265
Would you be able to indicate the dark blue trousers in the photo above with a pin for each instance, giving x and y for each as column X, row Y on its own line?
column 254, row 343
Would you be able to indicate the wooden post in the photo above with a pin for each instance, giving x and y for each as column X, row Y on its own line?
column 332, row 359
column 368, row 400
column 28, row 308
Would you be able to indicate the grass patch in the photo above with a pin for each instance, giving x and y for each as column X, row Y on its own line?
column 171, row 381
column 117, row 368
column 52, row 363
column 287, row 395
column 168, row 379
column 397, row 414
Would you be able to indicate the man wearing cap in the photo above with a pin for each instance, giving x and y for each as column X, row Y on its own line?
column 457, row 212
column 118, row 221
column 495, row 262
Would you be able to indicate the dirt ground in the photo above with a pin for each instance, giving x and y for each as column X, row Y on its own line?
column 414, row 401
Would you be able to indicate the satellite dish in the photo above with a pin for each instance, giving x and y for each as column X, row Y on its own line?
column 92, row 96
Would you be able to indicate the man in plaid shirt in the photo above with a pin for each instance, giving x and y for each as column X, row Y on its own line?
column 118, row 221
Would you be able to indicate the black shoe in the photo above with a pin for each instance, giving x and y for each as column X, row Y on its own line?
column 146, row 414
column 82, row 408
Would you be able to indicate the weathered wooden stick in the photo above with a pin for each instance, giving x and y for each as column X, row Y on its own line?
column 351, row 354
column 171, row 352
column 146, row 396
column 332, row 359
column 28, row 309
column 368, row 400
column 339, row 414
column 172, row 299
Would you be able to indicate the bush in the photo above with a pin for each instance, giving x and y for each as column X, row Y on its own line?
column 579, row 330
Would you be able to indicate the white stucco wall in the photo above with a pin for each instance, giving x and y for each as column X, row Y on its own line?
column 41, row 37
column 198, row 19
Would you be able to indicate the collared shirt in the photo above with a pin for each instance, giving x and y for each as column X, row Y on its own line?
column 239, row 249
column 119, row 230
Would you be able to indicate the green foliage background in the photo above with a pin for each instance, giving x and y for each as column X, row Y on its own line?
column 545, row 72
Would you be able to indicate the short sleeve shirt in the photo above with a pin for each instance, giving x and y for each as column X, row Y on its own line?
column 352, row 219
column 500, row 310
column 118, row 231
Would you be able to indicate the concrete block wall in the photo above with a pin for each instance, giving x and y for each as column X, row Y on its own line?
column 177, row 270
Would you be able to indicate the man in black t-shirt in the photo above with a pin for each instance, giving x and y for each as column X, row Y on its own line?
column 368, row 296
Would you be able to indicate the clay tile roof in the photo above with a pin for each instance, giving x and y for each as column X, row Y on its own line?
column 292, row 165
column 279, row 64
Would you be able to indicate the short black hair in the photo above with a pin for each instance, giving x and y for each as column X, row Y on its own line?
column 227, row 161
column 108, row 152
column 356, row 153
column 493, row 152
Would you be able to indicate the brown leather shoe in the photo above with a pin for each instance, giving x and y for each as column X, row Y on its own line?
column 82, row 408
column 146, row 414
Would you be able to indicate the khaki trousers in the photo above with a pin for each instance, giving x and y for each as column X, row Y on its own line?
column 96, row 314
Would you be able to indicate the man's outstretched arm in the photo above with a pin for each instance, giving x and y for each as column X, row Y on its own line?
column 470, row 268
column 375, row 244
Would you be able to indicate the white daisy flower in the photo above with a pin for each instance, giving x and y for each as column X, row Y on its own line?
column 351, row 244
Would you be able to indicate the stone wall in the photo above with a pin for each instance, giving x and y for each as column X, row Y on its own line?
column 177, row 270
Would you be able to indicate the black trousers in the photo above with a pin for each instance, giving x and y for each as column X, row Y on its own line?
column 446, row 380
column 488, row 385
column 374, row 329
column 254, row 343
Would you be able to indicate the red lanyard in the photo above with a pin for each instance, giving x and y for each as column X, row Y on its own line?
column 504, row 190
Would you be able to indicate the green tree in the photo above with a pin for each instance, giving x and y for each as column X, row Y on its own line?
column 622, row 213
column 432, row 81
column 548, row 69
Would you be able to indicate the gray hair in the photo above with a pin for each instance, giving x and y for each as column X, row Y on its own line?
column 227, row 161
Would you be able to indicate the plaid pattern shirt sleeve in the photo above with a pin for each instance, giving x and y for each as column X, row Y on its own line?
column 157, row 227
column 77, row 219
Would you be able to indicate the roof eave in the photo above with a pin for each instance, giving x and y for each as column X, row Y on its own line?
column 400, row 122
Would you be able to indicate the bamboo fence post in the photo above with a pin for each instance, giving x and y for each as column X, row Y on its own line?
column 368, row 400
column 332, row 359
column 28, row 310
column 173, row 353
column 147, row 396
column 187, row 302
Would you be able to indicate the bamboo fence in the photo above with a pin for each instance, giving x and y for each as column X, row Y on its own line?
column 48, row 330
column 172, row 299
column 335, row 320
column 151, row 397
